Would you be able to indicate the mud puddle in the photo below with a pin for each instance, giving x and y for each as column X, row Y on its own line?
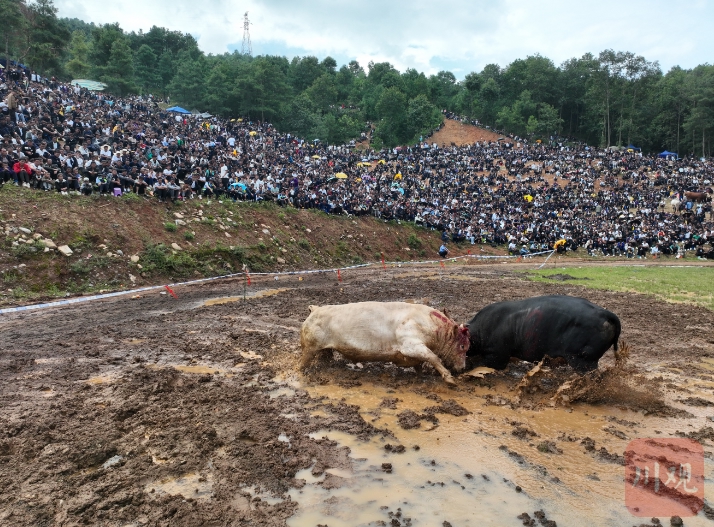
column 250, row 295
column 440, row 471
column 406, row 487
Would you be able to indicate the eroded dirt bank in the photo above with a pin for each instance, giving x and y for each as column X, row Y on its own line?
column 156, row 411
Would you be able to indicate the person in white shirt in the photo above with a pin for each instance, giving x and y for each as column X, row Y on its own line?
column 42, row 150
column 83, row 150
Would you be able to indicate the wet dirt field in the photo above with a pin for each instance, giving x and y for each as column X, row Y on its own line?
column 183, row 412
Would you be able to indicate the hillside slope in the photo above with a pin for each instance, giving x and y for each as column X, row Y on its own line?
column 123, row 243
column 461, row 134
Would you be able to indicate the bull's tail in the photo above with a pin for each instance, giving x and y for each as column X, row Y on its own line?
column 306, row 354
column 617, row 327
column 613, row 324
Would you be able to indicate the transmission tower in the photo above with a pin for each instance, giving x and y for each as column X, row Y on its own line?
column 247, row 48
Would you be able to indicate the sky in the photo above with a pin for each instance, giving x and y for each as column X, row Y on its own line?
column 429, row 36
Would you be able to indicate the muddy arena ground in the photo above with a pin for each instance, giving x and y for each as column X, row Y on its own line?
column 155, row 411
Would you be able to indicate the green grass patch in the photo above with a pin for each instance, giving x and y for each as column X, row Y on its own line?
column 84, row 266
column 171, row 227
column 691, row 285
column 25, row 251
column 206, row 259
column 414, row 242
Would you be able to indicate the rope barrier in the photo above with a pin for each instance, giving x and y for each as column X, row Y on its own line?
column 245, row 274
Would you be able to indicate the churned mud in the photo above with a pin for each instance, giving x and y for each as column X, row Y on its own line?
column 160, row 411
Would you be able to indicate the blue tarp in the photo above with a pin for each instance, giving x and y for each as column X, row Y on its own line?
column 177, row 109
column 666, row 154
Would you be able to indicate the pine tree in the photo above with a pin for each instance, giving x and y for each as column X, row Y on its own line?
column 146, row 68
column 119, row 72
column 78, row 49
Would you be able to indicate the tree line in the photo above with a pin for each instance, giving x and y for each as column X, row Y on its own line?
column 609, row 99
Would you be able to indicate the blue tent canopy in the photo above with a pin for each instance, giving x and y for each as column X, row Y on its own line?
column 177, row 109
column 667, row 154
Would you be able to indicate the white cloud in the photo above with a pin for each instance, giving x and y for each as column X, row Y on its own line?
column 457, row 35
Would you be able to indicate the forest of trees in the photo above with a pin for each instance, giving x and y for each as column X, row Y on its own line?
column 608, row 99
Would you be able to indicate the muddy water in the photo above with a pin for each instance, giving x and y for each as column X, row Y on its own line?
column 426, row 493
column 430, row 485
column 253, row 294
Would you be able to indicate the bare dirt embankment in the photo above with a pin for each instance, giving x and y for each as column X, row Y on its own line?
column 129, row 242
column 461, row 134
column 189, row 411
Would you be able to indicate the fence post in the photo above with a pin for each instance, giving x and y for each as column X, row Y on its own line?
column 245, row 281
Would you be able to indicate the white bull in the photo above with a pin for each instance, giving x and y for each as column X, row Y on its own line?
column 398, row 332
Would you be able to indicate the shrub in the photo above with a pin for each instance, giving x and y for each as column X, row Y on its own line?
column 171, row 227
column 302, row 242
column 188, row 235
column 131, row 196
column 84, row 266
column 19, row 292
column 28, row 250
column 159, row 258
column 413, row 241
column 9, row 276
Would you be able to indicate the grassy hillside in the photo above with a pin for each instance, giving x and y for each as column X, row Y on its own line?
column 212, row 238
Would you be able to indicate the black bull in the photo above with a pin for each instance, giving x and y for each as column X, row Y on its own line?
column 557, row 326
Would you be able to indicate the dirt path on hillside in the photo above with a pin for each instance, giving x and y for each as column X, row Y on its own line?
column 462, row 134
column 189, row 411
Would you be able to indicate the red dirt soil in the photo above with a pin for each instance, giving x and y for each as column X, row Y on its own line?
column 462, row 134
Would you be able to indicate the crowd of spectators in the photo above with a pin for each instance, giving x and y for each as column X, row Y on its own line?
column 55, row 137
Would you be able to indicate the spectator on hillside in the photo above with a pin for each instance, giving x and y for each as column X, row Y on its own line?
column 23, row 171
column 507, row 192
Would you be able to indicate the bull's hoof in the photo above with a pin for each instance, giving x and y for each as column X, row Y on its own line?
column 450, row 381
